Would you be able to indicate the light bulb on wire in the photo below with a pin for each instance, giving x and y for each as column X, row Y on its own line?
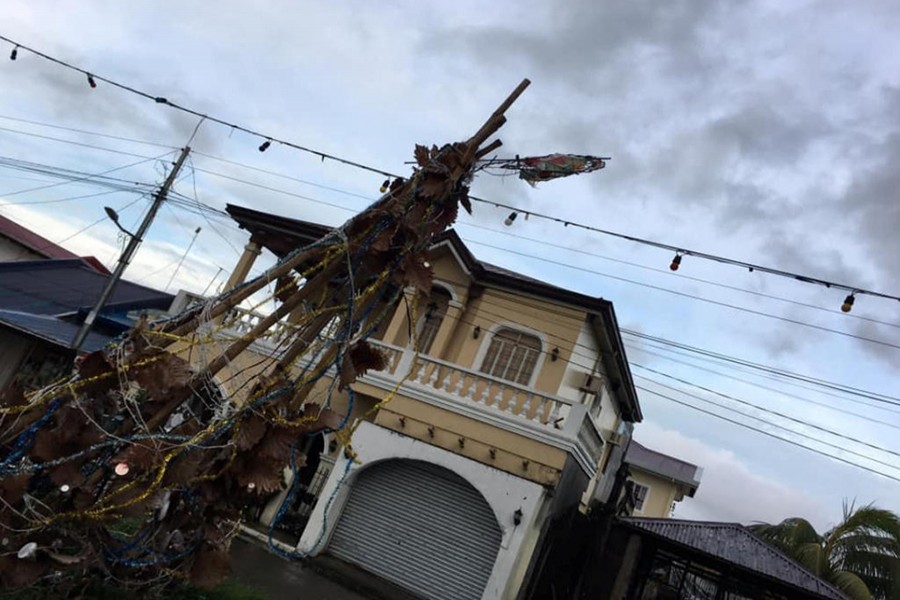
column 91, row 81
column 265, row 145
column 676, row 262
column 385, row 186
column 848, row 303
column 510, row 219
column 14, row 54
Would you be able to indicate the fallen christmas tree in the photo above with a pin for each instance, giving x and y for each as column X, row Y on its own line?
column 132, row 468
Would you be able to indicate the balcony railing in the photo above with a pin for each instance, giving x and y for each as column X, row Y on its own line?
column 457, row 388
column 481, row 391
column 240, row 321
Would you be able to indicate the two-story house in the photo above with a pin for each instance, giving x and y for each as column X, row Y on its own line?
column 659, row 480
column 503, row 400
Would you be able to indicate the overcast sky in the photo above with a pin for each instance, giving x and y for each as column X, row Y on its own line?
column 762, row 131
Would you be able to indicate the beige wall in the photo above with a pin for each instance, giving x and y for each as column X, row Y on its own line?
column 13, row 251
column 513, row 453
column 658, row 503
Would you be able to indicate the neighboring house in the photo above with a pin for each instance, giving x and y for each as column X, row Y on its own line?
column 673, row 559
column 42, row 304
column 513, row 414
column 18, row 243
column 659, row 480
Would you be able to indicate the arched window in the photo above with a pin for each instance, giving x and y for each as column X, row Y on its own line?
column 512, row 355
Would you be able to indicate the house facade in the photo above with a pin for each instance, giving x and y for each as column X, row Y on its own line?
column 659, row 481
column 505, row 402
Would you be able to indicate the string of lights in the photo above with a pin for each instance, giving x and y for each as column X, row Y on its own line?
column 510, row 234
column 268, row 140
column 579, row 268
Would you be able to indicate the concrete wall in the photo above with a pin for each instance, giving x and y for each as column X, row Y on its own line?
column 504, row 493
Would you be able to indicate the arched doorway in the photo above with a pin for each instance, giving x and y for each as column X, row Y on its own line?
column 420, row 526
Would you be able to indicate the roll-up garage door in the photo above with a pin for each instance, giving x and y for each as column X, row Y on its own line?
column 420, row 526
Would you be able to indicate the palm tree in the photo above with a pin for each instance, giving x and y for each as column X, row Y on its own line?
column 860, row 555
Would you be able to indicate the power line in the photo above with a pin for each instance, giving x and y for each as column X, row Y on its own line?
column 584, row 269
column 781, row 392
column 853, row 396
column 535, row 240
column 776, row 425
column 768, row 433
column 72, row 142
column 821, row 382
column 814, row 439
column 86, row 227
column 268, row 140
column 204, row 207
column 88, row 132
column 693, row 296
column 757, row 407
column 73, row 176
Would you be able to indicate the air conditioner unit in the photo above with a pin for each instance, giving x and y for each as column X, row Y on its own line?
column 592, row 384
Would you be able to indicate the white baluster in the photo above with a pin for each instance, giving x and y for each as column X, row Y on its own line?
column 448, row 380
column 513, row 402
column 457, row 391
column 498, row 397
column 529, row 396
column 482, row 399
column 435, row 373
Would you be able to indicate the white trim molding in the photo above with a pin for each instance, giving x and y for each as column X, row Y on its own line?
column 505, row 493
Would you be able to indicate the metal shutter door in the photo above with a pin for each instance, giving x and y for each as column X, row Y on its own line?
column 420, row 526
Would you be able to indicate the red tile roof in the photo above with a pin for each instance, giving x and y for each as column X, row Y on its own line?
column 42, row 246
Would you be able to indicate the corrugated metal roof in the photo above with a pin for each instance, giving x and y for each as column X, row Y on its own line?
column 53, row 287
column 51, row 329
column 663, row 464
column 734, row 543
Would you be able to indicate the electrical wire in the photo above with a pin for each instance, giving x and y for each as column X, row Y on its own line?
column 268, row 140
column 72, row 142
column 807, row 378
column 757, row 407
column 767, row 433
column 88, row 132
column 541, row 241
column 881, row 421
column 73, row 176
column 587, row 270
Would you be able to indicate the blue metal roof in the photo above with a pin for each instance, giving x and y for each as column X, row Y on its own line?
column 51, row 329
column 54, row 287
column 35, row 294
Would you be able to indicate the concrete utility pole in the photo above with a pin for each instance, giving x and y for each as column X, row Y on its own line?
column 132, row 247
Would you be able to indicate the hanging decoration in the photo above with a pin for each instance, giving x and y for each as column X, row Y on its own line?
column 535, row 169
column 139, row 467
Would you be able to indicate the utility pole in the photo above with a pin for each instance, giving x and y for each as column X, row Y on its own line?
column 132, row 247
